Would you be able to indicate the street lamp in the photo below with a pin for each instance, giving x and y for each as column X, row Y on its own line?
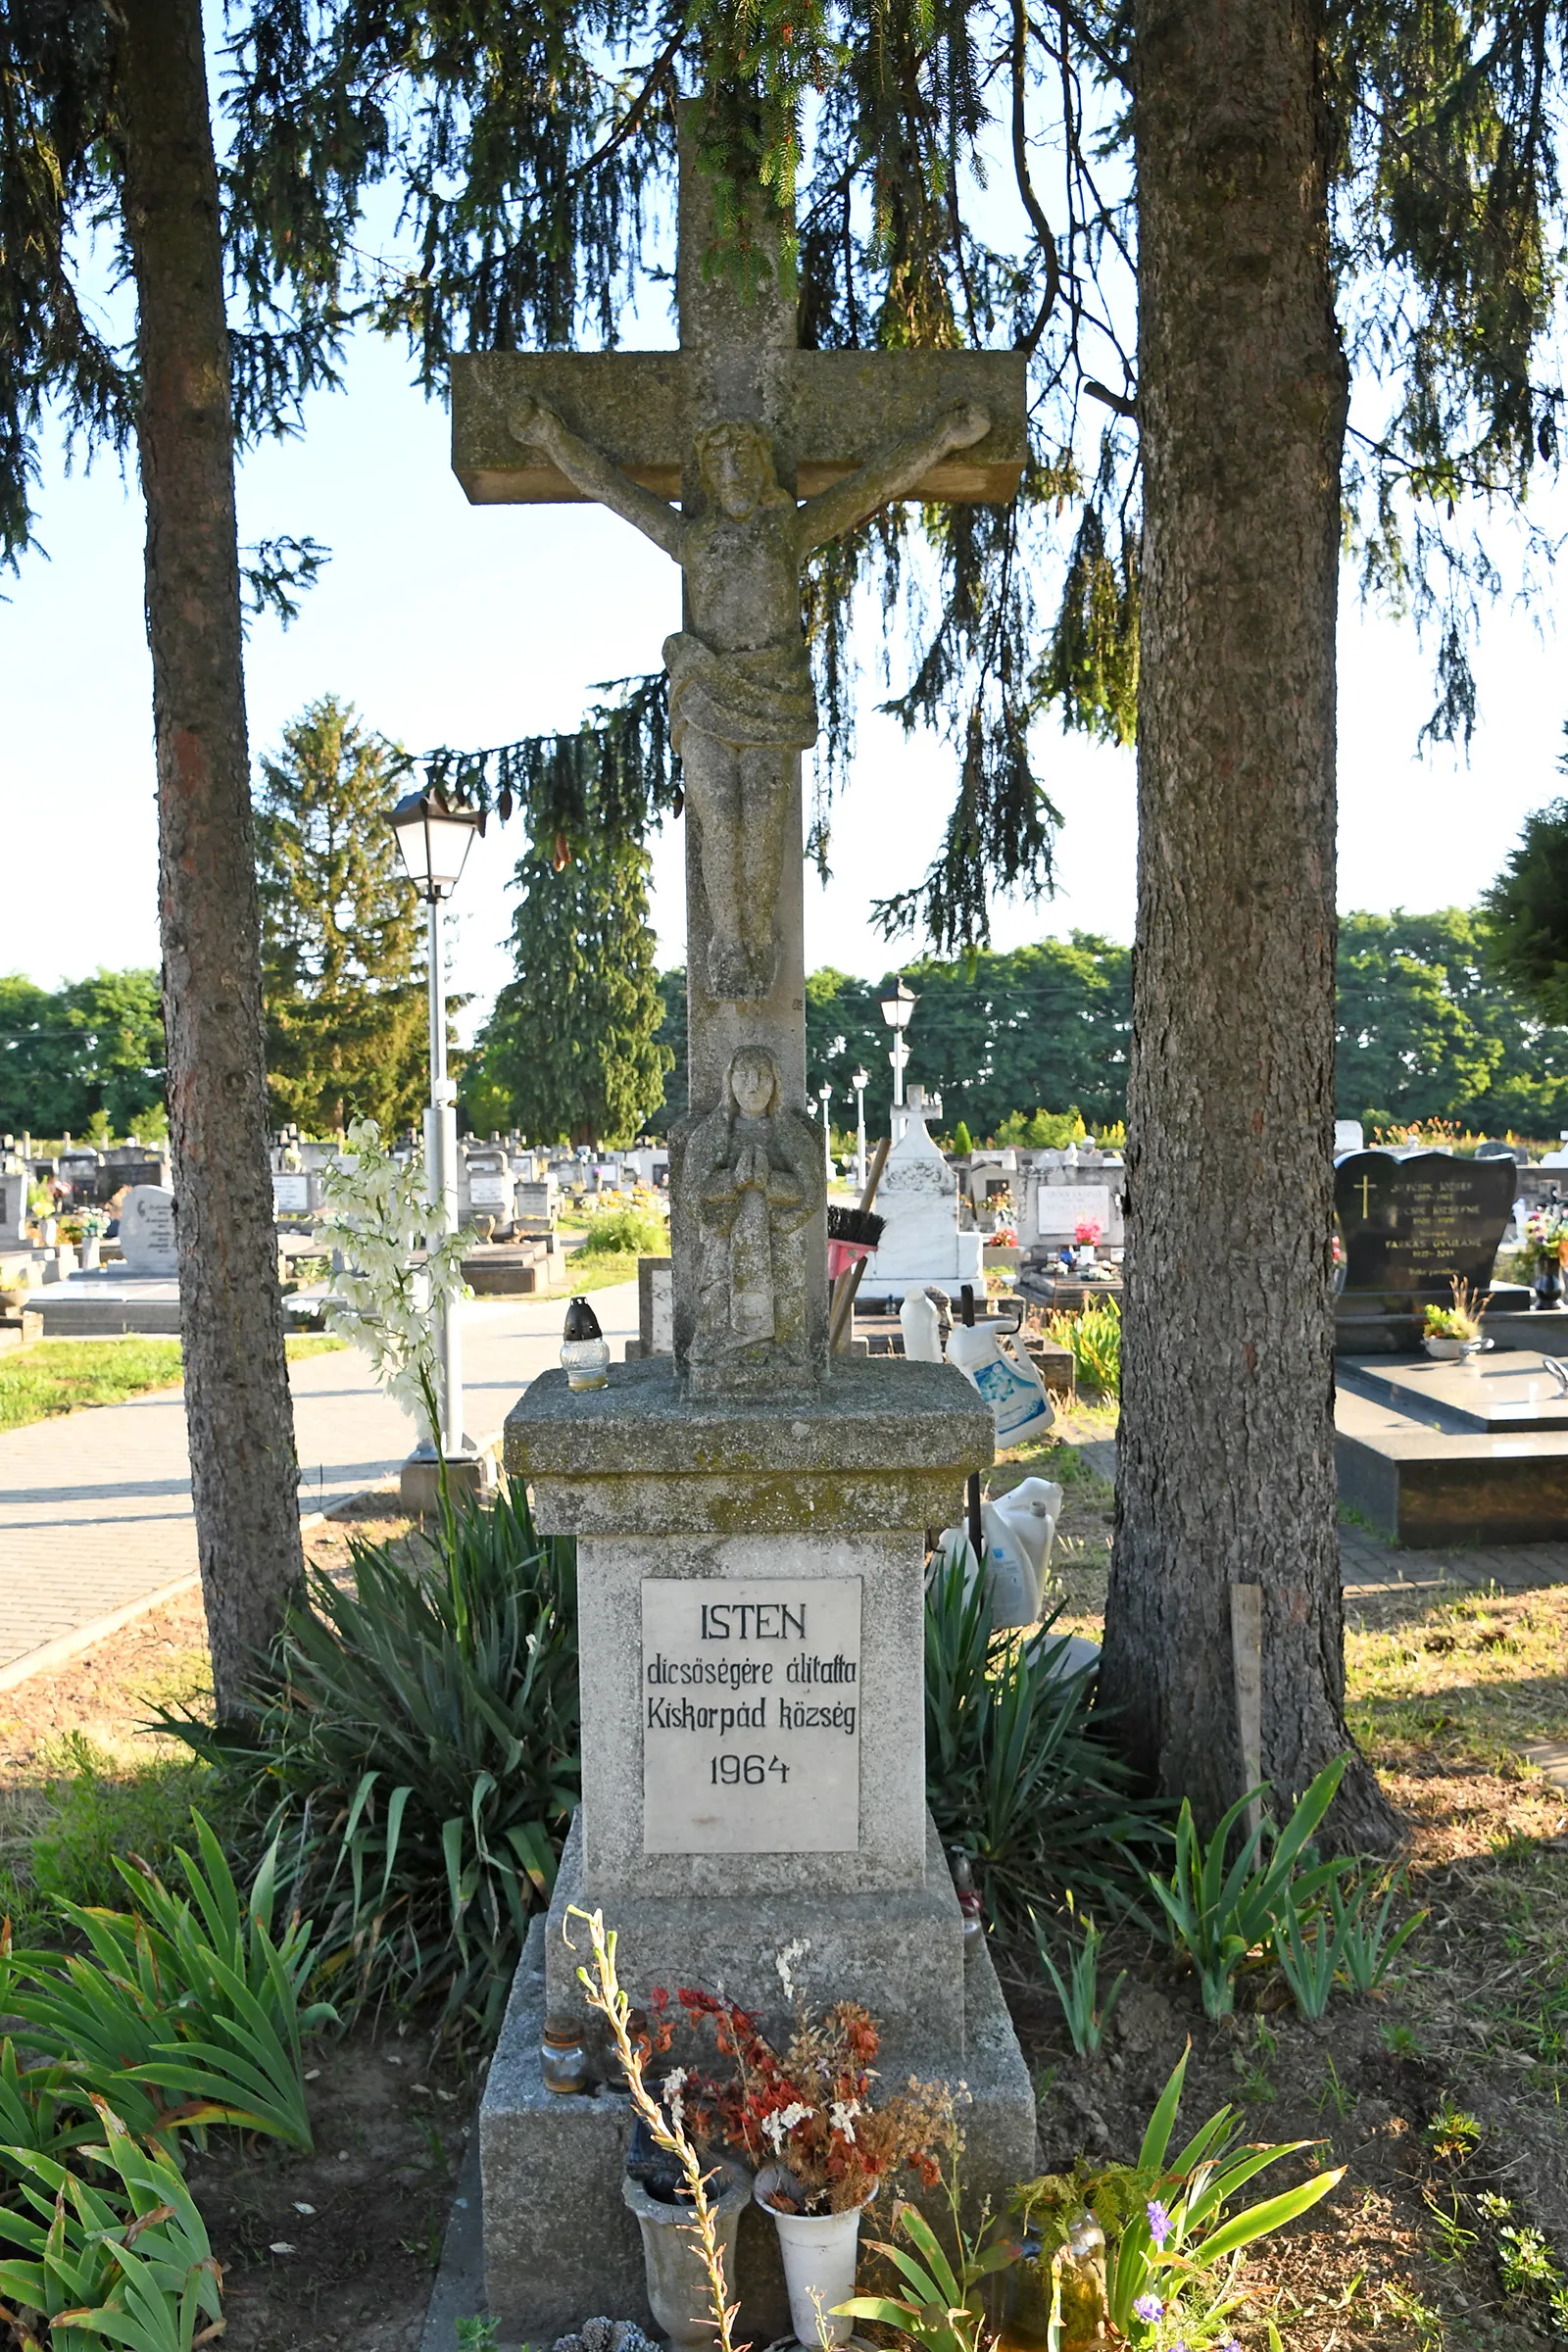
column 433, row 841
column 897, row 1007
column 859, row 1080
column 825, row 1092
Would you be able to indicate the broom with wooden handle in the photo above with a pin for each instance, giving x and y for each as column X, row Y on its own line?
column 842, row 1304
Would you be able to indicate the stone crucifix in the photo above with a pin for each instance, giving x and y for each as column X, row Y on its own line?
column 770, row 452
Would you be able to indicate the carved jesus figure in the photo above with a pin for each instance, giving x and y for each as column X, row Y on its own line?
column 742, row 706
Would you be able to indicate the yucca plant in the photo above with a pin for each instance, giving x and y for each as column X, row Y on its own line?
column 1094, row 1334
column 1216, row 1915
column 1014, row 1774
column 184, row 1994
column 416, row 1756
column 129, row 2263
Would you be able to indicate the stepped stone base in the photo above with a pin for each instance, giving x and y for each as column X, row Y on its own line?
column 559, row 2244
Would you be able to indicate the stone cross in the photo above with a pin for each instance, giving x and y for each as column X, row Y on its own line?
column 771, row 451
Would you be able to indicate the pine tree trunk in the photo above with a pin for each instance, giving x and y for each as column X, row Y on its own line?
column 244, row 1479
column 1226, row 1456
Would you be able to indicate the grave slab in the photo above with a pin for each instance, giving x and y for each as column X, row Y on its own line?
column 1498, row 1393
column 1426, row 1484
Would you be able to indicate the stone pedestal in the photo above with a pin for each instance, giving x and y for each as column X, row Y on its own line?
column 750, row 1594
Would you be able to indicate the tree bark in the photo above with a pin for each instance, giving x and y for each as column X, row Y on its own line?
column 244, row 1479
column 1226, row 1458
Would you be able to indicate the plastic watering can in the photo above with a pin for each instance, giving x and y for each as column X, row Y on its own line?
column 1019, row 1402
column 1018, row 1529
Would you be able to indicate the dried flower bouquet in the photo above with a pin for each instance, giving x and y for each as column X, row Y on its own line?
column 808, row 2108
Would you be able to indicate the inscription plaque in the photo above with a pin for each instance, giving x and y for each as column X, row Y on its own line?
column 751, row 1715
column 1410, row 1225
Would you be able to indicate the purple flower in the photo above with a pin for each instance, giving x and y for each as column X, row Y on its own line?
column 1159, row 2223
column 1148, row 2307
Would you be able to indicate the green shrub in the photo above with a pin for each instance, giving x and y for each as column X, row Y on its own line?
column 1094, row 1334
column 187, row 1993
column 1174, row 2239
column 1218, row 1916
column 416, row 1756
column 618, row 1230
column 1014, row 1772
column 962, row 1140
column 128, row 2264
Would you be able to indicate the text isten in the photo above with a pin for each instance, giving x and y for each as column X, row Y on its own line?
column 753, row 1621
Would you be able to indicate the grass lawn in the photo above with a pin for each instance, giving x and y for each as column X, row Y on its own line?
column 1442, row 2099
column 594, row 1270
column 1445, row 2097
column 59, row 1376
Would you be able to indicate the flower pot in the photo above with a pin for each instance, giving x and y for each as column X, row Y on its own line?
column 1444, row 1350
column 820, row 2252
column 90, row 1255
column 672, row 2255
column 1546, row 1289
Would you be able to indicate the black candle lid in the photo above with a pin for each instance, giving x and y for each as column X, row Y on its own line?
column 581, row 1322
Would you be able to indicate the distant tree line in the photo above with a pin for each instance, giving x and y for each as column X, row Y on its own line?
column 582, row 1041
column 83, row 1059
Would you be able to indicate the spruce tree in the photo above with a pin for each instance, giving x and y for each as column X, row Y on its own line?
column 108, row 164
column 342, row 969
column 570, row 1049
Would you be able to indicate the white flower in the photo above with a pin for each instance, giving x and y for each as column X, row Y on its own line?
column 841, row 2115
column 400, row 1266
column 782, row 2121
column 674, row 2085
column 785, row 1961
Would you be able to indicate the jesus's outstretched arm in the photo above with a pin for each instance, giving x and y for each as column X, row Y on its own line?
column 889, row 474
column 596, row 476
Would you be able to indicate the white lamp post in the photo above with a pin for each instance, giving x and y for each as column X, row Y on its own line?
column 859, row 1080
column 897, row 1007
column 825, row 1092
column 434, row 842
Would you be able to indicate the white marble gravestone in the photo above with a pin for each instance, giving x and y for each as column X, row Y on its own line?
column 147, row 1231
column 919, row 1201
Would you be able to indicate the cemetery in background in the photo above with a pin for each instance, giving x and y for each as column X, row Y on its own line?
column 1427, row 1034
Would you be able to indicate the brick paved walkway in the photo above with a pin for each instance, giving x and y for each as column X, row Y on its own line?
column 95, row 1518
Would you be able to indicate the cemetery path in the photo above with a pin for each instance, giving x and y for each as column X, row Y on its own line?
column 95, row 1512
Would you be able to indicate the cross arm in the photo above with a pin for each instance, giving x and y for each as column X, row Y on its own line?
column 596, row 474
column 889, row 473
column 825, row 411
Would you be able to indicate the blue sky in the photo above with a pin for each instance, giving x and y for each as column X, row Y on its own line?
column 470, row 625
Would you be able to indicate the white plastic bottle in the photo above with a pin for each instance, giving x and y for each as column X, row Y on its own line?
column 1009, row 1384
column 921, row 1327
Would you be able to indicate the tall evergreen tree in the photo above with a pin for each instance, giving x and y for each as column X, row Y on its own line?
column 1526, row 913
column 342, row 942
column 106, row 141
column 570, row 1049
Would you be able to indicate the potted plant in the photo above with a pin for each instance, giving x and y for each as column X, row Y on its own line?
column 805, row 2116
column 1086, row 1236
column 1543, row 1253
column 1455, row 1331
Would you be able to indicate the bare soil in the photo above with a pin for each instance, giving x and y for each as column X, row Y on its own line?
column 1444, row 1690
column 1405, row 2256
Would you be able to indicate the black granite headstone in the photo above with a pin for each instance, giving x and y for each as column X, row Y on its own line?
column 1410, row 1226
